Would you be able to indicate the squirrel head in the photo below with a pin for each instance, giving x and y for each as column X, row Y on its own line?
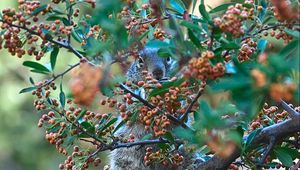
column 149, row 60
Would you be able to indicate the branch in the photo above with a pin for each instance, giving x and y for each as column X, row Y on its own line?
column 59, row 43
column 188, row 110
column 292, row 112
column 211, row 43
column 59, row 75
column 270, row 27
column 146, row 103
column 268, row 150
column 281, row 130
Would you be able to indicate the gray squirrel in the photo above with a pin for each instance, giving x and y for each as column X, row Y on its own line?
column 133, row 158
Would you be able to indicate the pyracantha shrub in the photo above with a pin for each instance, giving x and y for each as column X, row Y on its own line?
column 247, row 53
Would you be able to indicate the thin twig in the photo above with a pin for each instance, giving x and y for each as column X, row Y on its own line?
column 59, row 75
column 211, row 43
column 268, row 28
column 59, row 43
column 188, row 110
column 146, row 103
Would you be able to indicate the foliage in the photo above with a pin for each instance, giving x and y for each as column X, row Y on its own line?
column 226, row 49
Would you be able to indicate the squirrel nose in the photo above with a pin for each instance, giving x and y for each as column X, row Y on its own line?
column 158, row 73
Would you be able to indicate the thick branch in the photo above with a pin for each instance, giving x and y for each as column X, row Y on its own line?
column 292, row 112
column 279, row 131
column 268, row 150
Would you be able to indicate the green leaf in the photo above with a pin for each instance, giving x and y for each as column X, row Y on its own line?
column 36, row 66
column 62, row 97
column 204, row 13
column 293, row 33
column 28, row 89
column 169, row 137
column 40, row 72
column 165, row 87
column 262, row 44
column 119, row 126
column 231, row 46
column 191, row 26
column 53, row 57
column 194, row 39
column 284, row 157
column 112, row 121
column 178, row 6
column 31, row 80
column 221, row 7
column 157, row 44
column 39, row 9
column 147, row 136
column 289, row 48
column 87, row 126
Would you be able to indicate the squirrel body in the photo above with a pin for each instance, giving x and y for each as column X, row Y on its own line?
column 132, row 158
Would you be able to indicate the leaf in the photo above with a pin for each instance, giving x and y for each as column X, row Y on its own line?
column 262, row 44
column 169, row 137
column 191, row 26
column 203, row 12
column 221, row 7
column 112, row 121
column 53, row 57
column 156, row 44
column 118, row 126
column 31, row 80
column 178, row 6
column 39, row 9
column 284, row 157
column 289, row 48
column 165, row 87
column 231, row 46
column 147, row 136
column 62, row 97
column 88, row 127
column 36, row 66
column 194, row 39
column 28, row 89
column 38, row 71
column 293, row 33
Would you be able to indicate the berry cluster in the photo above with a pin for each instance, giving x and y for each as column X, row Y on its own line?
column 247, row 49
column 284, row 91
column 159, row 34
column 231, row 22
column 284, row 12
column 83, row 86
column 270, row 115
column 76, row 155
column 167, row 159
column 279, row 35
column 202, row 69
column 23, row 28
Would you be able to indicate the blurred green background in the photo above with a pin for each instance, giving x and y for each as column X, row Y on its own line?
column 22, row 143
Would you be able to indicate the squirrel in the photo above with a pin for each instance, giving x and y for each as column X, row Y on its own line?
column 133, row 158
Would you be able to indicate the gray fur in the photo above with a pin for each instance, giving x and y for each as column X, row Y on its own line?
column 133, row 158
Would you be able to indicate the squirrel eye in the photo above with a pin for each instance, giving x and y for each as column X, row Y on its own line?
column 140, row 62
column 169, row 60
